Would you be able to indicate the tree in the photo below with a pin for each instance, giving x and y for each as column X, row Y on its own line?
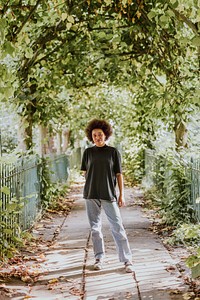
column 76, row 45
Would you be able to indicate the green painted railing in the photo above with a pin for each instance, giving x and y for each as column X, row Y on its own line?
column 58, row 168
column 195, row 185
column 21, row 182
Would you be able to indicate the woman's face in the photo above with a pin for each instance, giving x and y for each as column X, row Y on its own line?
column 98, row 137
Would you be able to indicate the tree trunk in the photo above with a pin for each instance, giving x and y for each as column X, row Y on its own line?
column 29, row 133
column 65, row 139
column 46, row 141
column 51, row 144
column 43, row 146
column 25, row 134
column 59, row 142
column 181, row 135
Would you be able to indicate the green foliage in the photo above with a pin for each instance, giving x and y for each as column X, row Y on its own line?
column 8, row 141
column 173, row 183
column 10, row 232
column 50, row 192
column 189, row 236
column 53, row 192
column 11, row 205
column 8, row 128
column 151, row 198
column 58, row 198
column 193, row 262
column 10, row 208
column 67, row 48
column 186, row 234
column 45, row 182
column 176, row 186
column 133, row 162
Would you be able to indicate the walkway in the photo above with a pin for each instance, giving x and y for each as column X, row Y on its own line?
column 65, row 266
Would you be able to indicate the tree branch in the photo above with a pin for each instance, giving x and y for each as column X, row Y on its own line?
column 5, row 8
column 180, row 16
column 26, row 20
column 51, row 52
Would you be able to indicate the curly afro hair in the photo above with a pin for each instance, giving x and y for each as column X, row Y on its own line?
column 98, row 124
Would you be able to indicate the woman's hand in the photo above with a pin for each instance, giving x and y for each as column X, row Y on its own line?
column 121, row 201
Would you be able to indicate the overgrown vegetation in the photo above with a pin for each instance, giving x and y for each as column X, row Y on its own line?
column 171, row 197
column 188, row 235
column 58, row 201
column 10, row 231
column 147, row 49
column 172, row 179
column 133, row 163
column 193, row 262
column 12, row 205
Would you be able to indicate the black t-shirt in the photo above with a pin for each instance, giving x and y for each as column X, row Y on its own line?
column 101, row 165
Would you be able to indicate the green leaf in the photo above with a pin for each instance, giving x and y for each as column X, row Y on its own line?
column 164, row 19
column 151, row 14
column 5, row 190
column 12, row 207
column 9, row 48
column 196, row 41
column 70, row 19
column 170, row 13
column 64, row 16
column 174, row 3
column 8, row 92
column 17, row 239
column 74, row 27
column 108, row 2
column 3, row 24
column 28, row 53
column 8, row 231
column 196, row 271
column 184, row 41
column 101, row 35
column 68, row 25
column 159, row 104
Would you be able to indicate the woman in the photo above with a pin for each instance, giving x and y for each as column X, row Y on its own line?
column 102, row 170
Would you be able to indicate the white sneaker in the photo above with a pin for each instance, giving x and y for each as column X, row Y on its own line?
column 129, row 267
column 98, row 264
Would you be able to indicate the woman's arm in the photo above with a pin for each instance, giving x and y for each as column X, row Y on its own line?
column 120, row 182
column 83, row 173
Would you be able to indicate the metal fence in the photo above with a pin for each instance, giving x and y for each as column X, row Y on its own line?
column 21, row 187
column 155, row 170
column 58, row 168
column 195, row 185
column 27, row 188
column 150, row 162
column 75, row 158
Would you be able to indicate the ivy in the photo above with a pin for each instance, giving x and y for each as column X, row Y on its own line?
column 11, row 234
column 193, row 262
column 53, row 196
column 189, row 236
column 186, row 234
column 73, row 47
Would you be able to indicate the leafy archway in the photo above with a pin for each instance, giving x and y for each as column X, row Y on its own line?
column 60, row 47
